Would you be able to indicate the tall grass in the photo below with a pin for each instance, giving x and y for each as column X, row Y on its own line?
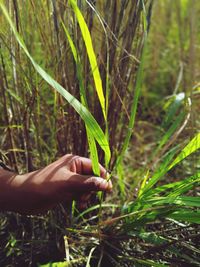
column 95, row 60
column 66, row 74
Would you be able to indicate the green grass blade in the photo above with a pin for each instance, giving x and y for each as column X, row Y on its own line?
column 97, row 207
column 187, row 216
column 187, row 201
column 177, row 188
column 91, row 141
column 89, row 120
column 173, row 105
column 190, row 148
column 107, row 93
column 170, row 131
column 146, row 176
column 93, row 153
column 180, row 200
column 15, row 96
column 91, row 54
column 160, row 172
column 152, row 238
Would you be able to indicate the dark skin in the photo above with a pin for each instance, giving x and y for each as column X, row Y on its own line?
column 67, row 179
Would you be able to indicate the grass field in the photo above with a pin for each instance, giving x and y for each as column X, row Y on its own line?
column 119, row 82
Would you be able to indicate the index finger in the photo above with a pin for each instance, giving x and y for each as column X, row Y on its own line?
column 85, row 167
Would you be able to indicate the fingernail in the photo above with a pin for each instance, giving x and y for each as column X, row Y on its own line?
column 110, row 185
column 105, row 185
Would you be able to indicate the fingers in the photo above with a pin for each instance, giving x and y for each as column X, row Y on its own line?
column 84, row 200
column 82, row 204
column 86, row 183
column 84, row 166
column 96, row 184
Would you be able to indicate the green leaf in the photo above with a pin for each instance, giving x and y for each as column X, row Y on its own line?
column 160, row 172
column 89, row 120
column 180, row 200
column 187, row 216
column 173, row 106
column 15, row 96
column 170, row 131
column 91, row 141
column 152, row 238
column 187, row 201
column 190, row 148
column 177, row 188
column 91, row 54
column 96, row 207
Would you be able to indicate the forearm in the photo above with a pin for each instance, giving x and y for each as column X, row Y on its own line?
column 22, row 193
column 17, row 192
column 7, row 189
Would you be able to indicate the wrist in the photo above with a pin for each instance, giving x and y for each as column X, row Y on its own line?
column 7, row 192
column 16, row 192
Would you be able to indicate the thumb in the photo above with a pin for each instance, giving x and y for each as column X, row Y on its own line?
column 92, row 183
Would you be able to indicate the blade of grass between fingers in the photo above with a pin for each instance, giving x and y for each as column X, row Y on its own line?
column 91, row 55
column 96, row 75
column 90, row 138
column 103, row 23
column 89, row 120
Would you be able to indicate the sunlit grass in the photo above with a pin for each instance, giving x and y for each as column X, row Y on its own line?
column 138, row 218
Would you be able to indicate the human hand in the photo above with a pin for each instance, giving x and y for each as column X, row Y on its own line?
column 69, row 178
